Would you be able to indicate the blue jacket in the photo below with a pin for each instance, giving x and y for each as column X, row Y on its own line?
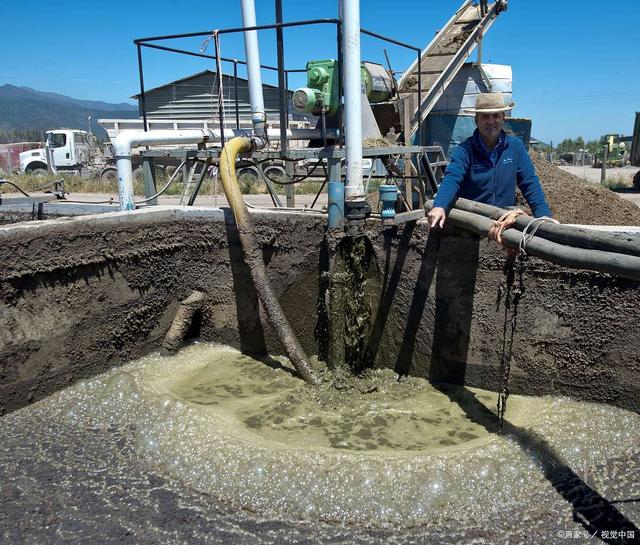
column 471, row 174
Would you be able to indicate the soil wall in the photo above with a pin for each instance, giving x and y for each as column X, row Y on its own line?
column 80, row 295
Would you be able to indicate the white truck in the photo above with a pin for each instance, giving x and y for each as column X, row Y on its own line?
column 70, row 150
column 76, row 151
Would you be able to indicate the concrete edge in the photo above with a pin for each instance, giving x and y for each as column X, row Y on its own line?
column 152, row 213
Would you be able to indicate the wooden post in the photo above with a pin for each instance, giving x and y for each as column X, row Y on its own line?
column 603, row 172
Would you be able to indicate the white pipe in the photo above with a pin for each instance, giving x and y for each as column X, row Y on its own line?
column 258, row 116
column 354, row 189
column 128, row 139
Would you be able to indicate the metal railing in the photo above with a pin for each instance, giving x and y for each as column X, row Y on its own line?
column 283, row 72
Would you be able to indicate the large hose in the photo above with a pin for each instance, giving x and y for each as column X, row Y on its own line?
column 627, row 266
column 253, row 257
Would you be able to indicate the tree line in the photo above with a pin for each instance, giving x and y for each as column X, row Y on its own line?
column 570, row 145
column 8, row 136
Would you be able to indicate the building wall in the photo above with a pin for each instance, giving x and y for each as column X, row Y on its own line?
column 197, row 98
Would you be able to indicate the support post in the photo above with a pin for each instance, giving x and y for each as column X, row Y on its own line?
column 290, row 189
column 149, row 175
column 282, row 98
column 220, row 91
column 603, row 172
column 235, row 91
column 408, row 180
column 142, row 97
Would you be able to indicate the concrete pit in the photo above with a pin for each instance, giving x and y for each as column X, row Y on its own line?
column 148, row 453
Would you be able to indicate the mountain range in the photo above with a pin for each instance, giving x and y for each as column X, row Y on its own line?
column 26, row 108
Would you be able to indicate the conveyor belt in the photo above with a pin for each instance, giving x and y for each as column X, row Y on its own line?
column 444, row 56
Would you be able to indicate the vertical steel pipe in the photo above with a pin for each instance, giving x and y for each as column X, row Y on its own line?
column 235, row 90
column 340, row 79
column 258, row 116
column 354, row 190
column 283, row 95
column 336, row 195
column 143, row 105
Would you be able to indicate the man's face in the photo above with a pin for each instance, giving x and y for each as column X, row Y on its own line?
column 490, row 125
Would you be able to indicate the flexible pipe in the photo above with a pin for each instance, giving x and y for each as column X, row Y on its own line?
column 582, row 237
column 253, row 257
column 354, row 189
column 567, row 256
column 258, row 116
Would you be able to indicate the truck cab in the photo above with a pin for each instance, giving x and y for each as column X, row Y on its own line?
column 65, row 149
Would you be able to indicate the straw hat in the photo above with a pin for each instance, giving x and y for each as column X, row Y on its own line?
column 488, row 103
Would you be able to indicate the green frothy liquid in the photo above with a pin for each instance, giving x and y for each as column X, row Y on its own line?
column 370, row 450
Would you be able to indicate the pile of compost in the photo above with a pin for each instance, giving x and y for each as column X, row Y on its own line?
column 574, row 200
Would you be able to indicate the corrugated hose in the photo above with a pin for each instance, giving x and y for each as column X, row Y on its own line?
column 253, row 257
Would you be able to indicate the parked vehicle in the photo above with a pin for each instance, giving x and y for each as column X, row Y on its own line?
column 70, row 150
column 616, row 151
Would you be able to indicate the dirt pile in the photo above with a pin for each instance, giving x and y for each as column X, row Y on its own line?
column 573, row 200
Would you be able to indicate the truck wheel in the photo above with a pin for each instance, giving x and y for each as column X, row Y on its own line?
column 636, row 181
column 109, row 175
column 38, row 172
column 248, row 180
column 275, row 173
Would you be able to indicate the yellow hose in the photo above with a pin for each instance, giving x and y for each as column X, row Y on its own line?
column 253, row 257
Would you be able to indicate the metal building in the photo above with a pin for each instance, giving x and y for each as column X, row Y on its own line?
column 196, row 97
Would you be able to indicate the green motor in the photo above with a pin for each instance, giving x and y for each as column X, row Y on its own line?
column 322, row 86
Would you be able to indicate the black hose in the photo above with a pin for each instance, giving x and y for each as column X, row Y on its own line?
column 567, row 256
column 581, row 237
column 16, row 186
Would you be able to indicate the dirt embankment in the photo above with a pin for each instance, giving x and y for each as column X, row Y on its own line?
column 573, row 200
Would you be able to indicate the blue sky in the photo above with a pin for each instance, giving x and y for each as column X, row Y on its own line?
column 576, row 64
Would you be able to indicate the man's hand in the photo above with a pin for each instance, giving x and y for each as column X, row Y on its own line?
column 506, row 221
column 436, row 217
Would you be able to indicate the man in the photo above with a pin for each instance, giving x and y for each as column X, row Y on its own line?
column 487, row 166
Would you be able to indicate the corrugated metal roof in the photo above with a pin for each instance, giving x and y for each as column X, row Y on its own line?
column 186, row 78
column 196, row 97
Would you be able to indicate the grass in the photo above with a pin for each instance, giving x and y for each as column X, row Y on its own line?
column 619, row 181
column 78, row 184
column 73, row 184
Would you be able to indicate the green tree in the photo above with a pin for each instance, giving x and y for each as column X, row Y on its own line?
column 8, row 136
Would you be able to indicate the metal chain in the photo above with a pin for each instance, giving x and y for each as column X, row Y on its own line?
column 512, row 301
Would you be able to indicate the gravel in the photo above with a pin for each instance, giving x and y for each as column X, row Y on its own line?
column 573, row 200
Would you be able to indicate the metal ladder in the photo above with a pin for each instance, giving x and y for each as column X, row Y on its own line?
column 194, row 181
column 434, row 164
column 442, row 59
